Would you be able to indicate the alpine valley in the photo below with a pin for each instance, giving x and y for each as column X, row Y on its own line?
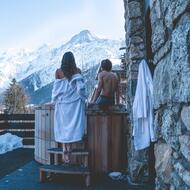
column 35, row 70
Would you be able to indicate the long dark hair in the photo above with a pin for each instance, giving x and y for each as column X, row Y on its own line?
column 68, row 65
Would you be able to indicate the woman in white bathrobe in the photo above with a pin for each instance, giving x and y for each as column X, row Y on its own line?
column 68, row 94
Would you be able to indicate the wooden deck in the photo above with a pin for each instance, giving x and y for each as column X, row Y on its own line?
column 22, row 173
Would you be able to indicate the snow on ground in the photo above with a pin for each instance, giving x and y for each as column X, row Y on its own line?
column 9, row 142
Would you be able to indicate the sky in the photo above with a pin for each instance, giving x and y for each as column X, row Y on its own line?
column 31, row 23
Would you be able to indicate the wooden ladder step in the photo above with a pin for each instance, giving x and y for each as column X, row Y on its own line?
column 65, row 169
column 73, row 152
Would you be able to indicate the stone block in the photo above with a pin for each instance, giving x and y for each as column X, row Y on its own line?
column 135, row 52
column 134, row 9
column 169, row 12
column 185, row 146
column 161, row 82
column 177, row 183
column 183, row 173
column 160, row 185
column 162, row 52
column 158, row 35
column 135, row 25
column 180, row 62
column 174, row 9
column 158, row 123
column 134, row 67
column 158, row 9
column 172, row 73
column 136, row 40
column 185, row 116
column 138, row 170
column 165, row 4
column 176, row 156
column 168, row 126
column 163, row 153
column 181, row 7
column 153, row 16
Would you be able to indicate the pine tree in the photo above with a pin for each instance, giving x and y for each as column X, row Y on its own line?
column 15, row 98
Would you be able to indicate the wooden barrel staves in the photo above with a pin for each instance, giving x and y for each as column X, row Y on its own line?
column 44, row 136
column 44, row 133
column 107, row 131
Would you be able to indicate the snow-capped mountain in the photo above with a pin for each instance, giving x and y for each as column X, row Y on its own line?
column 35, row 69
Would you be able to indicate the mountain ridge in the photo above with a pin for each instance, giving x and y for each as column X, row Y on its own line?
column 35, row 69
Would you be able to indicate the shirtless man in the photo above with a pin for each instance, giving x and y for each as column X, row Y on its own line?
column 107, row 85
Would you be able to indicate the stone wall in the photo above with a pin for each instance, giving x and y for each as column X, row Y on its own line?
column 170, row 24
column 170, row 21
column 135, row 44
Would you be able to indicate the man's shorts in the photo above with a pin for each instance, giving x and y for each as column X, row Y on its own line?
column 104, row 100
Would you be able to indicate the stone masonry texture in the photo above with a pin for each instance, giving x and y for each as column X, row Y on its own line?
column 170, row 42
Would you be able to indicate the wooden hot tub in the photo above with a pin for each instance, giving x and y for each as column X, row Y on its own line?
column 44, row 133
column 44, row 136
column 107, row 138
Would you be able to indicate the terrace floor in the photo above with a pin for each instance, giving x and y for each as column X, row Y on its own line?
column 18, row 171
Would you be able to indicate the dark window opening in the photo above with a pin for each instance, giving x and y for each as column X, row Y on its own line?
column 148, row 30
column 149, row 55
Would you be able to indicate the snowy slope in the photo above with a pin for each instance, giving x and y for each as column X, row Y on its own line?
column 38, row 67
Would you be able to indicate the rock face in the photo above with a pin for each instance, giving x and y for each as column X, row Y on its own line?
column 185, row 116
column 163, row 166
column 170, row 42
column 171, row 48
column 135, row 42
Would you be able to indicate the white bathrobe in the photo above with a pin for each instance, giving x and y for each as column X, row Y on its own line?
column 143, row 130
column 69, row 117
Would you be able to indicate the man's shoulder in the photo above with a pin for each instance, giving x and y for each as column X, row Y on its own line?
column 101, row 74
column 114, row 74
column 107, row 73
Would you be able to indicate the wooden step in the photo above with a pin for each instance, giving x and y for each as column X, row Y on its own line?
column 65, row 169
column 55, row 153
column 73, row 152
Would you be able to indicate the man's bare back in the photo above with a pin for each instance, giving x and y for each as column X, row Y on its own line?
column 109, row 83
column 107, row 86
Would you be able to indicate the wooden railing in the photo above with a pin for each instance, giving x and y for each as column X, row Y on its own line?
column 22, row 125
